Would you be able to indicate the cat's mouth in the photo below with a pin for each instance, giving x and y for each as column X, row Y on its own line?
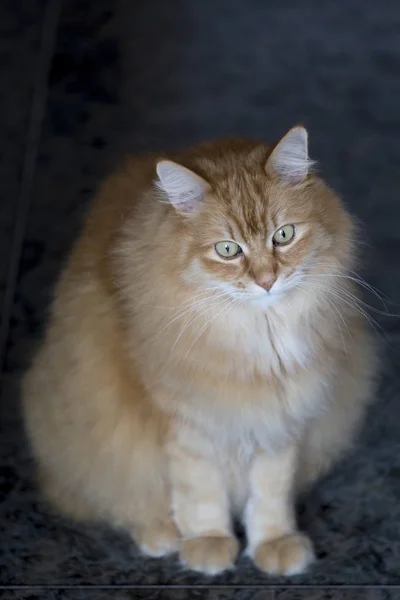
column 260, row 299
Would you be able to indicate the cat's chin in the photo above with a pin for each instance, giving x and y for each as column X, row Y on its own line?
column 264, row 301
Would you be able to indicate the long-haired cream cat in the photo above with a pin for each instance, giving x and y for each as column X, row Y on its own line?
column 205, row 358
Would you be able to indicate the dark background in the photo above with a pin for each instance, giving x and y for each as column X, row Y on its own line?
column 84, row 81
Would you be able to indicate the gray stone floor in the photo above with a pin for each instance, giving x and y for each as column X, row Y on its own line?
column 130, row 76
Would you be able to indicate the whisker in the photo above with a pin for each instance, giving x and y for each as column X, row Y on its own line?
column 363, row 284
column 374, row 324
column 196, row 318
column 226, row 308
column 342, row 270
column 188, row 309
column 335, row 309
column 361, row 302
column 198, row 296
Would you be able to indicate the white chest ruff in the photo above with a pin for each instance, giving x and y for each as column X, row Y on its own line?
column 271, row 344
column 222, row 389
column 244, row 414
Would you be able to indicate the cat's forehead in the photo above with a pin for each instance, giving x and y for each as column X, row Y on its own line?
column 244, row 197
column 251, row 205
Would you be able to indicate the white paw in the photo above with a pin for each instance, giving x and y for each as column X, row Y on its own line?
column 159, row 540
column 288, row 555
column 209, row 555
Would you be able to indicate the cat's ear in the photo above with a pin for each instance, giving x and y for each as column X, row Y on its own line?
column 184, row 189
column 289, row 161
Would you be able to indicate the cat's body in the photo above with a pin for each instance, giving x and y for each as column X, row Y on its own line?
column 165, row 402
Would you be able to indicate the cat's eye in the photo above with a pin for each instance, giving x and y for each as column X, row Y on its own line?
column 228, row 249
column 283, row 235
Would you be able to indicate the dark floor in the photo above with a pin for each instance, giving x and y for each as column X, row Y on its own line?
column 109, row 76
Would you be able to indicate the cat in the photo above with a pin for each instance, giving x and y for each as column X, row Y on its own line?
column 205, row 359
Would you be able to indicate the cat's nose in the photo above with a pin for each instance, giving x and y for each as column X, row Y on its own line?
column 266, row 282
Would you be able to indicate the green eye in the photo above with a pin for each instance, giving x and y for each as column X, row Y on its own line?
column 228, row 249
column 283, row 235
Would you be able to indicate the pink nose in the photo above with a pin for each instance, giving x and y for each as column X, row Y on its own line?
column 266, row 282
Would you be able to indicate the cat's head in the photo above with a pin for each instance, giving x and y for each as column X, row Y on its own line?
column 257, row 225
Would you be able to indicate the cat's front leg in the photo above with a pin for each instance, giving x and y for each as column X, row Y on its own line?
column 274, row 542
column 200, row 505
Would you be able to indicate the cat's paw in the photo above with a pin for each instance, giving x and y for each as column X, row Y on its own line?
column 288, row 555
column 158, row 540
column 210, row 555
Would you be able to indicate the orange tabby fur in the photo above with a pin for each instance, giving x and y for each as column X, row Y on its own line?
column 161, row 406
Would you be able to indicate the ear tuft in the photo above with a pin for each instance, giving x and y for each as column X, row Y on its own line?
column 289, row 161
column 184, row 189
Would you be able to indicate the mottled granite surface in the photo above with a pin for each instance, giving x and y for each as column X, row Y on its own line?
column 131, row 76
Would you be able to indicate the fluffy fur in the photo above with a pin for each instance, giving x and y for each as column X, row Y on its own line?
column 172, row 391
